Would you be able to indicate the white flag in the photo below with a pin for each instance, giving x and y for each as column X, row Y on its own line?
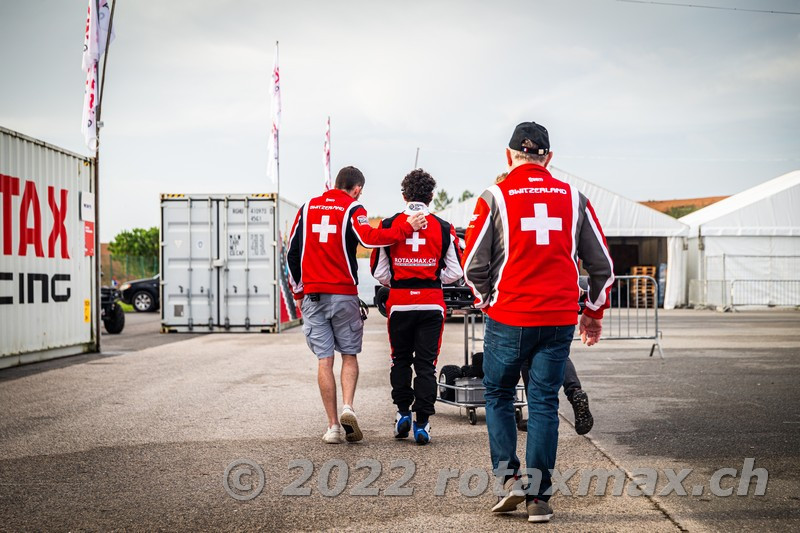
column 96, row 33
column 94, row 45
column 275, row 113
column 88, row 128
column 326, row 157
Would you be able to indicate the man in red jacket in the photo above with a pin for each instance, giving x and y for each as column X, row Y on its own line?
column 521, row 260
column 415, row 269
column 324, row 273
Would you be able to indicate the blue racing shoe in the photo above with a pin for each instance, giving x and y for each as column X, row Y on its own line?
column 422, row 435
column 402, row 425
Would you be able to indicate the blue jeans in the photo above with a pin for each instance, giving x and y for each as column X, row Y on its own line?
column 505, row 349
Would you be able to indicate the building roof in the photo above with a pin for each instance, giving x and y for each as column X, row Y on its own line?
column 695, row 203
column 770, row 208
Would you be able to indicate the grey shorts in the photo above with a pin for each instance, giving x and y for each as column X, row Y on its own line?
column 332, row 323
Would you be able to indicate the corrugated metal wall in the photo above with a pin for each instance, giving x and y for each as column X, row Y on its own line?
column 218, row 261
column 46, row 280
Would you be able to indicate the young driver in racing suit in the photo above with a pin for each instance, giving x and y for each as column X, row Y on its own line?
column 415, row 269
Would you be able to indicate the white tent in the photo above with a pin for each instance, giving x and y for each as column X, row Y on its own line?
column 745, row 250
column 621, row 218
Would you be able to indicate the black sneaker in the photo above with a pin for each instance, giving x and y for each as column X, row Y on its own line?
column 583, row 417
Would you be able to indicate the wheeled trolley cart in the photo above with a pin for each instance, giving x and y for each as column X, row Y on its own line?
column 463, row 386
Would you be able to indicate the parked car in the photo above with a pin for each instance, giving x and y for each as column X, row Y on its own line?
column 142, row 294
column 111, row 313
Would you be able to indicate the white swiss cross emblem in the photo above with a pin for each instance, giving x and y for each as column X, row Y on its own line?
column 415, row 242
column 324, row 228
column 541, row 224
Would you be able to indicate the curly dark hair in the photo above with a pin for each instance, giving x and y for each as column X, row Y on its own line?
column 418, row 186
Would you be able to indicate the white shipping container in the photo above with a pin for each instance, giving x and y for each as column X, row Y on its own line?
column 220, row 263
column 47, row 277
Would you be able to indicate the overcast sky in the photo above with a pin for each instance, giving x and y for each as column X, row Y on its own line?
column 650, row 101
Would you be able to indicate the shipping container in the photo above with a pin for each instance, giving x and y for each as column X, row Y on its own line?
column 47, row 268
column 223, row 263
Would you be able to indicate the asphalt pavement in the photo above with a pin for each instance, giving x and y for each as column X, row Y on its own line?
column 142, row 439
column 727, row 390
column 141, row 331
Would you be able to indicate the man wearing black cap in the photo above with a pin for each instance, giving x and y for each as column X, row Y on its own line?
column 521, row 260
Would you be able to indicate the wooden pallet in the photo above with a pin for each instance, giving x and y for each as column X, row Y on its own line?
column 643, row 271
column 642, row 292
column 642, row 287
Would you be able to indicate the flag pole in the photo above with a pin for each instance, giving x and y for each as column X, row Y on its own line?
column 279, row 241
column 97, row 266
column 277, row 139
column 97, row 248
column 105, row 62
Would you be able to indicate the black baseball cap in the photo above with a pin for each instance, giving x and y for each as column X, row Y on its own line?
column 531, row 138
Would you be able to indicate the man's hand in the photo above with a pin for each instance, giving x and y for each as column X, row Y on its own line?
column 417, row 221
column 298, row 297
column 590, row 329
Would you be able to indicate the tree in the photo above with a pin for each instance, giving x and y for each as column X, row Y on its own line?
column 466, row 195
column 441, row 200
column 136, row 242
column 679, row 211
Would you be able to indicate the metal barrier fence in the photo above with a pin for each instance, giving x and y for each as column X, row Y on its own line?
column 728, row 294
column 728, row 267
column 633, row 314
column 765, row 292
column 730, row 280
column 709, row 293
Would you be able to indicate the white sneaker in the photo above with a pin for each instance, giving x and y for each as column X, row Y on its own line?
column 334, row 435
column 350, row 424
column 514, row 496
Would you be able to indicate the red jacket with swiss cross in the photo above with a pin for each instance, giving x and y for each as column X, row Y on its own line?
column 323, row 242
column 523, row 245
column 416, row 267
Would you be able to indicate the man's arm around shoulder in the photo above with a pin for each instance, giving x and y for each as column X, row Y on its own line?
column 370, row 237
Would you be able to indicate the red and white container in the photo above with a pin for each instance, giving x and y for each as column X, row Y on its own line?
column 47, row 254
